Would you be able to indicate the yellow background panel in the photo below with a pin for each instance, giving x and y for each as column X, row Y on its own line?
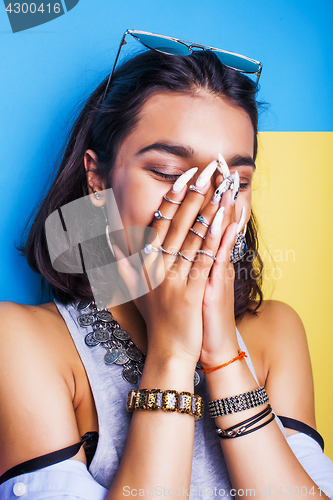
column 292, row 200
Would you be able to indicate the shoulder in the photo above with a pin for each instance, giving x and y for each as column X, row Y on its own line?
column 277, row 337
column 36, row 383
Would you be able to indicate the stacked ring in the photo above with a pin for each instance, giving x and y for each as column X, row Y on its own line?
column 206, row 253
column 172, row 201
column 196, row 232
column 186, row 258
column 202, row 220
column 193, row 188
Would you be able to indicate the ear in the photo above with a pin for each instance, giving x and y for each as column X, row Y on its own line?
column 94, row 181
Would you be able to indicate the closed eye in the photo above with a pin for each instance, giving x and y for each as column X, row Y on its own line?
column 170, row 177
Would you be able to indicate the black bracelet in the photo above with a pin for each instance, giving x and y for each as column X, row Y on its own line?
column 250, row 421
column 248, row 431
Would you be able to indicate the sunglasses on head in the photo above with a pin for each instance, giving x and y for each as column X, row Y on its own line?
column 175, row 46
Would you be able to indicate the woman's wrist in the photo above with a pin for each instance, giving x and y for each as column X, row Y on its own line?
column 168, row 372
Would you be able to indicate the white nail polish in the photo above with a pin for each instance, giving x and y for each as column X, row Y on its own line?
column 241, row 220
column 217, row 222
column 223, row 187
column 223, row 167
column 183, row 180
column 235, row 189
column 206, row 174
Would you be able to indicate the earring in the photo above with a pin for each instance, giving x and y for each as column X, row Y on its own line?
column 107, row 233
column 97, row 195
column 240, row 248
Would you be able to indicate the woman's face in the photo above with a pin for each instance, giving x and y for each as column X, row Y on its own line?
column 176, row 132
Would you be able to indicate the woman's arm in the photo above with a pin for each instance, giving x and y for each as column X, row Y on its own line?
column 263, row 460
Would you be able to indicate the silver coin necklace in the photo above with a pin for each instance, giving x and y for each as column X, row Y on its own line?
column 120, row 349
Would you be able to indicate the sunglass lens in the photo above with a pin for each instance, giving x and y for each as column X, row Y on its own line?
column 234, row 61
column 163, row 44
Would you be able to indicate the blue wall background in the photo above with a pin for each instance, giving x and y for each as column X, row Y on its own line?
column 47, row 70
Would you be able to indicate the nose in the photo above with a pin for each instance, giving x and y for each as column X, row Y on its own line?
column 215, row 181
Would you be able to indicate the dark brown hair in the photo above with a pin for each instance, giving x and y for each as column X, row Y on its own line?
column 102, row 126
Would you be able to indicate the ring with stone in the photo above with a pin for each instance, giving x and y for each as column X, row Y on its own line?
column 206, row 253
column 172, row 201
column 202, row 221
column 196, row 232
column 158, row 215
column 193, row 188
column 149, row 249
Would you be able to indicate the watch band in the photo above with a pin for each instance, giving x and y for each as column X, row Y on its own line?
column 169, row 400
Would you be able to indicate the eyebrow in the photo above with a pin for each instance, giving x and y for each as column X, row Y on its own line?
column 240, row 161
column 187, row 153
column 171, row 149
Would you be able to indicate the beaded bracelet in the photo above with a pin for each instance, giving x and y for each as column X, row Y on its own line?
column 237, row 403
column 153, row 399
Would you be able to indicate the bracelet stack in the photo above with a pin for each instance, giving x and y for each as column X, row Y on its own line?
column 242, row 428
column 155, row 399
column 241, row 402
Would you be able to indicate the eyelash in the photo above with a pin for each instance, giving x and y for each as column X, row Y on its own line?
column 166, row 176
column 242, row 185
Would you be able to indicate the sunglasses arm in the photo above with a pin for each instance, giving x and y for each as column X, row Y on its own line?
column 115, row 63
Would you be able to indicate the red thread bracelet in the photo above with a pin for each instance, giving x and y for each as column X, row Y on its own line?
column 241, row 355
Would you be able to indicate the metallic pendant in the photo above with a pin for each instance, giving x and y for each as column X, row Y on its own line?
column 90, row 340
column 130, row 375
column 134, row 353
column 111, row 356
column 86, row 320
column 196, row 378
column 102, row 335
column 104, row 316
column 123, row 358
column 120, row 334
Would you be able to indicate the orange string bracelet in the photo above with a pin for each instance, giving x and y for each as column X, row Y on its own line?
column 241, row 355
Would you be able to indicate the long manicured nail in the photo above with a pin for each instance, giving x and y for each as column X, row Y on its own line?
column 223, row 187
column 206, row 174
column 241, row 220
column 183, row 180
column 217, row 222
column 223, row 167
column 235, row 189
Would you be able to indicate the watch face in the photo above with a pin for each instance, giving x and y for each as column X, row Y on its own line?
column 170, row 400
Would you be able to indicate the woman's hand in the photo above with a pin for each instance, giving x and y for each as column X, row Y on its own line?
column 219, row 329
column 173, row 310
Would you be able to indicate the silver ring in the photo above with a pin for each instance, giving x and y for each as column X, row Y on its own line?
column 206, row 253
column 158, row 215
column 196, row 232
column 186, row 258
column 172, row 201
column 149, row 248
column 167, row 251
column 202, row 221
column 193, row 188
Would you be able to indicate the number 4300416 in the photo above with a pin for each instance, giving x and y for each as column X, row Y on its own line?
column 32, row 8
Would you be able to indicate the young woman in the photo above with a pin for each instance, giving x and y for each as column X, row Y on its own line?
column 149, row 144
